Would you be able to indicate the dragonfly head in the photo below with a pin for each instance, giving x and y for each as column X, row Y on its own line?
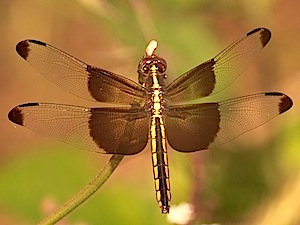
column 151, row 64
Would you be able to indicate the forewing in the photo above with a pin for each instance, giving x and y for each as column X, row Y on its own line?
column 78, row 78
column 201, row 126
column 105, row 130
column 216, row 74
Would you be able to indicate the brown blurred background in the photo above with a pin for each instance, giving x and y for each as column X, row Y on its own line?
column 252, row 180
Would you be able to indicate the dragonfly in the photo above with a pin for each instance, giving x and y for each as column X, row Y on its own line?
column 150, row 110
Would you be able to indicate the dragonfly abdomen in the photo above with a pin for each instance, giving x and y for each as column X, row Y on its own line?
column 160, row 164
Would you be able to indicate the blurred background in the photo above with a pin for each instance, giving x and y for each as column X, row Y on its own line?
column 254, row 179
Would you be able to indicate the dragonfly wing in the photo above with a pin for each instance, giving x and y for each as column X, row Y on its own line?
column 201, row 126
column 121, row 131
column 78, row 78
column 216, row 74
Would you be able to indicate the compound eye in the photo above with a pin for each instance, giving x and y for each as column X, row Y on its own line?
column 161, row 68
column 145, row 68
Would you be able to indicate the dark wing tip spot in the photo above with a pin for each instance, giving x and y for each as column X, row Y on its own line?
column 265, row 35
column 15, row 115
column 22, row 49
column 285, row 104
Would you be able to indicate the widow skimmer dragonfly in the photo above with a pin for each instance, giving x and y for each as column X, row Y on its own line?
column 154, row 110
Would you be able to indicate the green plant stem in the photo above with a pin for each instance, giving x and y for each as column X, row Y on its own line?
column 85, row 193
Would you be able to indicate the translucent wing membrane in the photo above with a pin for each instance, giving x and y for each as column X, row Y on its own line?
column 201, row 126
column 78, row 78
column 105, row 130
column 216, row 74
